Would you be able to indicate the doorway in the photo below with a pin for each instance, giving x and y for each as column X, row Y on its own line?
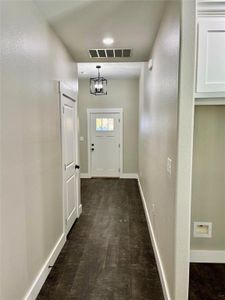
column 105, row 142
column 70, row 167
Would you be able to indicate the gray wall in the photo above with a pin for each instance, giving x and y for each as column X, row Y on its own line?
column 208, row 192
column 31, row 204
column 121, row 94
column 158, row 137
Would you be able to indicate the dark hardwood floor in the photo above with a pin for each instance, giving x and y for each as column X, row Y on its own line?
column 207, row 282
column 108, row 255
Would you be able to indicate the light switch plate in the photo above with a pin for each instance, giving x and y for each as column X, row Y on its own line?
column 169, row 166
column 81, row 138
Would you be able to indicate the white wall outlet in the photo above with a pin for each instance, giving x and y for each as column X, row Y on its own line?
column 81, row 138
column 169, row 166
column 202, row 230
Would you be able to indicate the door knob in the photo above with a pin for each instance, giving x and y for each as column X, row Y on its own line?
column 92, row 149
column 77, row 167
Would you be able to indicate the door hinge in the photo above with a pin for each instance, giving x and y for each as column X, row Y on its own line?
column 119, row 145
column 119, row 169
column 119, row 120
column 63, row 110
column 66, row 221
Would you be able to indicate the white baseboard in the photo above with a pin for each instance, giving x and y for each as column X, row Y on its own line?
column 84, row 175
column 162, row 274
column 208, row 256
column 129, row 175
column 123, row 175
column 80, row 210
column 45, row 270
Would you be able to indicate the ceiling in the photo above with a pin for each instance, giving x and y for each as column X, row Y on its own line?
column 82, row 25
column 110, row 70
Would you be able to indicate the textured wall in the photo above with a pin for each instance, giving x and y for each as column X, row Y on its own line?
column 158, row 136
column 208, row 202
column 121, row 94
column 31, row 204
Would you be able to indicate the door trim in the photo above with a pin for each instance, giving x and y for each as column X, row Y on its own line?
column 69, row 93
column 104, row 110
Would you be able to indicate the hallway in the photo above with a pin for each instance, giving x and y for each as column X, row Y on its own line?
column 108, row 254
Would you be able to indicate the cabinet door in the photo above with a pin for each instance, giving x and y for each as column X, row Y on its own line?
column 211, row 55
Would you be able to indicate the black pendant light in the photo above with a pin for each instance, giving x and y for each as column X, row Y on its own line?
column 98, row 85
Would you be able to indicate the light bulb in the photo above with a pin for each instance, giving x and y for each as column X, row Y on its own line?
column 108, row 41
column 98, row 85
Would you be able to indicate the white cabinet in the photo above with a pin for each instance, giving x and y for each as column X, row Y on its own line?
column 211, row 55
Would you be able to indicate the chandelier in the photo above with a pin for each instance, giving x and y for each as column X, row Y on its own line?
column 98, row 85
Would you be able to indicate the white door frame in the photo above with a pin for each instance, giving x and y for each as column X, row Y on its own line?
column 104, row 110
column 68, row 92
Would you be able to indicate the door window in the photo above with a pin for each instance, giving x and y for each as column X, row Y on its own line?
column 104, row 124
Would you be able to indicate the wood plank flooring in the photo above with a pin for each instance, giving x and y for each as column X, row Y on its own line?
column 108, row 255
column 207, row 282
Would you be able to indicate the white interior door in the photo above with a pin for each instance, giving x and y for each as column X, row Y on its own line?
column 70, row 169
column 105, row 144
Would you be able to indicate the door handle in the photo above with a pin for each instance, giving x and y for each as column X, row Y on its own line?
column 77, row 167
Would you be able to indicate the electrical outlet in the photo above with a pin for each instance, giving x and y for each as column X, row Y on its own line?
column 81, row 138
column 202, row 230
column 169, row 166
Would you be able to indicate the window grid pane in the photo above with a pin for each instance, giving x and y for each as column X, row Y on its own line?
column 104, row 124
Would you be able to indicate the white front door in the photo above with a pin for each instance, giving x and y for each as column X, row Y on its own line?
column 105, row 144
column 70, row 173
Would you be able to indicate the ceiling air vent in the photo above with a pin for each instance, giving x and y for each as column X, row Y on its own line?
column 110, row 53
